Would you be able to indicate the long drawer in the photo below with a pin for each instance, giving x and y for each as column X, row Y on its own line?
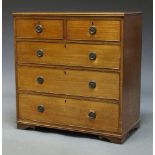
column 72, row 112
column 70, row 82
column 86, row 55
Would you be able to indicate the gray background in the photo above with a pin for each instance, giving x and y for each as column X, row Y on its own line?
column 21, row 142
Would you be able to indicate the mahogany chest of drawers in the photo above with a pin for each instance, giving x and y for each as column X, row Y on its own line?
column 79, row 72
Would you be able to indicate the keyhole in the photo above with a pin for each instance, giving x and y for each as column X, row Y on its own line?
column 92, row 23
column 65, row 72
column 65, row 101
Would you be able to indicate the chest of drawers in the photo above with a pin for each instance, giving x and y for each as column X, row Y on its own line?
column 79, row 72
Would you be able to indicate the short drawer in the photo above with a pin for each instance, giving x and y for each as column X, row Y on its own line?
column 70, row 82
column 102, row 30
column 85, row 55
column 39, row 28
column 71, row 112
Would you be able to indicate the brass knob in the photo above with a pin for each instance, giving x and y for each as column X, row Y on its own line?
column 92, row 115
column 40, row 80
column 92, row 56
column 41, row 108
column 92, row 84
column 39, row 28
column 40, row 53
column 92, row 30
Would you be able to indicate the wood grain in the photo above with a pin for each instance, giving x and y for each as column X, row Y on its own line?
column 131, row 71
column 69, row 82
column 108, row 56
column 107, row 30
column 67, row 70
column 69, row 111
column 52, row 29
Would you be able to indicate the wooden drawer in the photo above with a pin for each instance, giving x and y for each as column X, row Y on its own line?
column 70, row 82
column 39, row 28
column 72, row 112
column 97, row 56
column 106, row 30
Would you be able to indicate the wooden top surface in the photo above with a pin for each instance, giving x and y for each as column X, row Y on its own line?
column 117, row 14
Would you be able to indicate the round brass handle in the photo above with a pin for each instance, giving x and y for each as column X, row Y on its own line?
column 40, row 80
column 92, row 56
column 92, row 30
column 92, row 115
column 41, row 108
column 40, row 53
column 92, row 84
column 39, row 28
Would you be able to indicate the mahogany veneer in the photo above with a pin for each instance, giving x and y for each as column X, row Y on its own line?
column 79, row 72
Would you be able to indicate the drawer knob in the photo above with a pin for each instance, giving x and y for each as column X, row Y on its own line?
column 39, row 28
column 92, row 115
column 92, row 84
column 92, row 56
column 40, row 80
column 41, row 108
column 92, row 30
column 40, row 53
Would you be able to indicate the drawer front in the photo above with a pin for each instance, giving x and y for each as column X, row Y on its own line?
column 39, row 29
column 103, row 30
column 70, row 82
column 97, row 56
column 72, row 112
